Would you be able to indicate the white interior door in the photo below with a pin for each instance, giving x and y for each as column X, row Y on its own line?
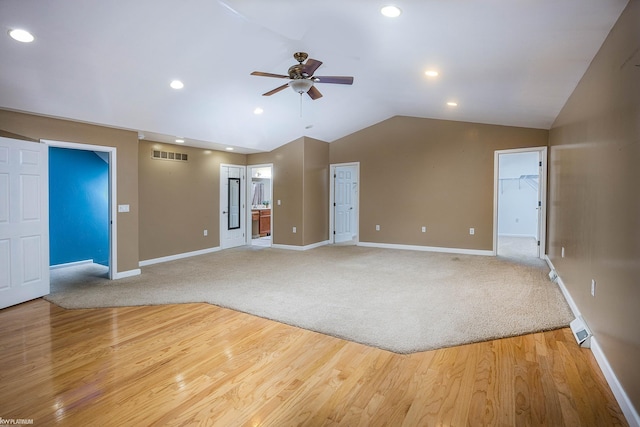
column 232, row 206
column 24, row 221
column 345, row 203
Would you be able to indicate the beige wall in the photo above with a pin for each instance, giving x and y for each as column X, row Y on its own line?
column 126, row 142
column 6, row 134
column 288, row 172
column 301, row 183
column 435, row 173
column 179, row 200
column 595, row 198
column 316, row 191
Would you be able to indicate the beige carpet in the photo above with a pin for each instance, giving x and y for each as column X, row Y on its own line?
column 402, row 301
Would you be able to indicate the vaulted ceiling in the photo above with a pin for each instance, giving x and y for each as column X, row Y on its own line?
column 111, row 62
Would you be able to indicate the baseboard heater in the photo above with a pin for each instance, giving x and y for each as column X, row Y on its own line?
column 581, row 332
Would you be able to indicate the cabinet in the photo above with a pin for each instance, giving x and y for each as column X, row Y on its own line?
column 261, row 219
column 264, row 226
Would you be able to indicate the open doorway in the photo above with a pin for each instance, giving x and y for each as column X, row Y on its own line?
column 82, row 207
column 260, row 197
column 520, row 198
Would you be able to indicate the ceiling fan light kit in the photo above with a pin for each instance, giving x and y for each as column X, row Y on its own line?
column 301, row 78
column 301, row 85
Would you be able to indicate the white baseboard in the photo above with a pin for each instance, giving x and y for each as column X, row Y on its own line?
column 516, row 235
column 177, row 256
column 123, row 274
column 301, row 248
column 628, row 410
column 630, row 413
column 565, row 291
column 116, row 275
column 427, row 248
column 70, row 264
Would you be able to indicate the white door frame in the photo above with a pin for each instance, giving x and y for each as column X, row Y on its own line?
column 542, row 223
column 243, row 201
column 332, row 183
column 248, row 221
column 113, row 195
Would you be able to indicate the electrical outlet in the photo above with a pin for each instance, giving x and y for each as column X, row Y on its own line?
column 562, row 252
column 424, row 229
column 593, row 287
column 278, row 202
column 377, row 227
column 472, row 231
column 206, row 232
column 294, row 230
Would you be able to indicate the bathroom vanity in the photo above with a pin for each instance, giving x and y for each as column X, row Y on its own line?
column 261, row 222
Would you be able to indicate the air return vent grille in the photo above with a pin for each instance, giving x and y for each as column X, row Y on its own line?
column 169, row 155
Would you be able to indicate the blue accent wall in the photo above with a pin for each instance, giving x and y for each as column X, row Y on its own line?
column 78, row 206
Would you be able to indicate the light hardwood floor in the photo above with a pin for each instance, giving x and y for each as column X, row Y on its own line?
column 197, row 364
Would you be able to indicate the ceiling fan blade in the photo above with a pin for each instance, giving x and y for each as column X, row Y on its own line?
column 276, row 90
column 341, row 80
column 314, row 93
column 260, row 73
column 311, row 66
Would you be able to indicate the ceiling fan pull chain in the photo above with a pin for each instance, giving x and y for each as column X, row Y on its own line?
column 300, row 104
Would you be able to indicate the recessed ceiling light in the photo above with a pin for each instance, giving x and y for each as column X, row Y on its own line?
column 229, row 148
column 23, row 36
column 258, row 110
column 180, row 141
column 452, row 104
column 391, row 11
column 431, row 73
column 177, row 84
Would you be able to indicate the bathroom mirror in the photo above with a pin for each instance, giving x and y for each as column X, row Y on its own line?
column 233, row 219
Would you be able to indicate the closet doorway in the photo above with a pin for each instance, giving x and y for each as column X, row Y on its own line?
column 520, row 203
column 82, row 207
column 260, row 198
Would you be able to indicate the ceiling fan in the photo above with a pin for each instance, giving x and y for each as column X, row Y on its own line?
column 301, row 78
